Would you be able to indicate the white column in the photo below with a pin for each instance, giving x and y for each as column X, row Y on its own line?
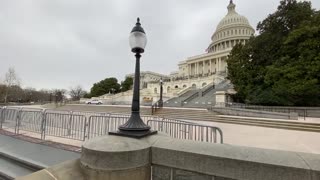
column 203, row 64
column 217, row 65
column 219, row 62
column 194, row 69
column 222, row 64
column 197, row 69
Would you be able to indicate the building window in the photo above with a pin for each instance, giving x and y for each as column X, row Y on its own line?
column 168, row 89
column 184, row 86
column 204, row 84
column 155, row 90
column 176, row 87
column 194, row 86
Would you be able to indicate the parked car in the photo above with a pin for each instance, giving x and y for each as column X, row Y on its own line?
column 94, row 101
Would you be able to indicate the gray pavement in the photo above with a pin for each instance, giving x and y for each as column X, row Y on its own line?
column 16, row 155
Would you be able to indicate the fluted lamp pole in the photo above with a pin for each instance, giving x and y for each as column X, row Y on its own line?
column 135, row 127
column 161, row 93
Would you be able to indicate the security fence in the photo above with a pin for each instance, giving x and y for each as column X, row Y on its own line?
column 85, row 125
column 191, row 131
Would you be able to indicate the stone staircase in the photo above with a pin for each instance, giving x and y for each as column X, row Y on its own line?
column 202, row 115
column 204, row 101
column 186, row 113
column 205, row 115
column 104, row 108
column 176, row 101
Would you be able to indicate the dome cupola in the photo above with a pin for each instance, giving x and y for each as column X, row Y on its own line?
column 232, row 29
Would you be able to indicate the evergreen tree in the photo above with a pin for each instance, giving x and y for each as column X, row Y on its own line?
column 280, row 66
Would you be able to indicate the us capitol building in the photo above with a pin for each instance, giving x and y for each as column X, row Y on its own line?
column 198, row 76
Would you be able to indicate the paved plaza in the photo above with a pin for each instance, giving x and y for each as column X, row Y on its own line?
column 269, row 138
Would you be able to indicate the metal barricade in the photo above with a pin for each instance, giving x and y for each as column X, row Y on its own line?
column 189, row 131
column 10, row 118
column 66, row 125
column 82, row 125
column 30, row 120
column 98, row 126
column 116, row 120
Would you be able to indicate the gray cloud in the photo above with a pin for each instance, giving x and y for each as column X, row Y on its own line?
column 58, row 44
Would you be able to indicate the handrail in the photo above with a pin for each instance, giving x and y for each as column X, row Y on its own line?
column 207, row 90
column 184, row 91
column 194, row 95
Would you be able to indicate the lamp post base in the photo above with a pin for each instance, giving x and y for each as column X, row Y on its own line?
column 134, row 134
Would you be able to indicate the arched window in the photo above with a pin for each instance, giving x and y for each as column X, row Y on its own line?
column 184, row 86
column 176, row 87
column 155, row 90
column 204, row 84
column 194, row 86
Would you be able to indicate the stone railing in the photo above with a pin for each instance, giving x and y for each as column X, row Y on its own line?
column 184, row 91
column 121, row 158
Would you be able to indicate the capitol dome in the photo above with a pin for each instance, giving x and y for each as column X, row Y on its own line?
column 232, row 29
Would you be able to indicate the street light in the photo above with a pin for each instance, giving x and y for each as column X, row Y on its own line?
column 161, row 92
column 135, row 127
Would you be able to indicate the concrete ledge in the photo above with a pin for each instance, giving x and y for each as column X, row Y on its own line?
column 235, row 162
column 68, row 170
column 115, row 153
column 182, row 159
column 113, row 157
column 21, row 157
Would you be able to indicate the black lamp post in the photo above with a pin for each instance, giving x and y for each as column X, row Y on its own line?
column 161, row 92
column 135, row 127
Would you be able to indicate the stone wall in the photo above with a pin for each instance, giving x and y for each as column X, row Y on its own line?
column 159, row 157
column 188, row 160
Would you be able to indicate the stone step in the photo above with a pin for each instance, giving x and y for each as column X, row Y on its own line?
column 314, row 127
column 198, row 115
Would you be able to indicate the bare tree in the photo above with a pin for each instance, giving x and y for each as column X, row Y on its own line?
column 11, row 79
column 76, row 93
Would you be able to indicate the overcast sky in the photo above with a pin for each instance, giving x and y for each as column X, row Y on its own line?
column 64, row 43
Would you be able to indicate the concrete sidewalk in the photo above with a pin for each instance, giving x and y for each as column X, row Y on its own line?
column 16, row 153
